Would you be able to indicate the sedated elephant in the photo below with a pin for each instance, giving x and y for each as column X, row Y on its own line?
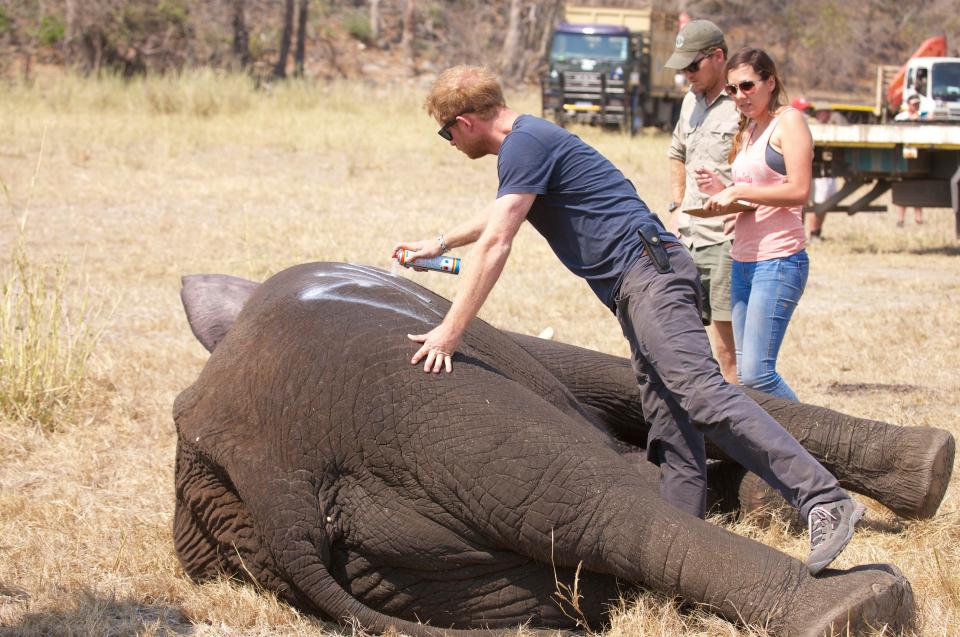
column 315, row 460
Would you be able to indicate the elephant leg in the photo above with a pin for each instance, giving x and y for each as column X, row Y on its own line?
column 676, row 554
column 213, row 531
column 215, row 534
column 556, row 492
column 907, row 469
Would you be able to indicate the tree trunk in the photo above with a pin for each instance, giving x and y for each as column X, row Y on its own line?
column 70, row 35
column 301, row 38
column 548, row 18
column 510, row 58
column 375, row 22
column 409, row 27
column 281, row 69
column 241, row 37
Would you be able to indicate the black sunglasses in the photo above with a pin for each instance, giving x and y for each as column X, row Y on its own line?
column 444, row 131
column 745, row 87
column 694, row 66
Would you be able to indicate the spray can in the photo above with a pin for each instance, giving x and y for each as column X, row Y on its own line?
column 450, row 265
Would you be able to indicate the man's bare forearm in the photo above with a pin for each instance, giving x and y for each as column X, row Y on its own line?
column 502, row 220
column 678, row 180
column 467, row 232
column 678, row 187
column 486, row 265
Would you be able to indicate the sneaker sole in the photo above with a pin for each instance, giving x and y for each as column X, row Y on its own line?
column 856, row 516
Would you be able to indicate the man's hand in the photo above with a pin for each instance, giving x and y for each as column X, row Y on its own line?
column 438, row 347
column 420, row 249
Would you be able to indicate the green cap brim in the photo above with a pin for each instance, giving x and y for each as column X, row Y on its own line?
column 681, row 59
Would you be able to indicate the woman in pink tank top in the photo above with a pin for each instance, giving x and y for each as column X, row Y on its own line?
column 771, row 162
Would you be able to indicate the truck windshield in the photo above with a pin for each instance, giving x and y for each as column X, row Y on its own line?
column 946, row 81
column 595, row 47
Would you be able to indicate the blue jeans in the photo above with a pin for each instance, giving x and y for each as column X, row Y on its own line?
column 763, row 296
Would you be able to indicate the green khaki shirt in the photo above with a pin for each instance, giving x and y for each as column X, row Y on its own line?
column 702, row 139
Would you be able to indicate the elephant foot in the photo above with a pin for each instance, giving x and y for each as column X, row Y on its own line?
column 859, row 601
column 927, row 477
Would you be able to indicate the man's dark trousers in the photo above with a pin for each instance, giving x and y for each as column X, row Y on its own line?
column 684, row 396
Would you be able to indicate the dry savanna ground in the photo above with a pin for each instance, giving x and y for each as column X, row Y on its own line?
column 112, row 191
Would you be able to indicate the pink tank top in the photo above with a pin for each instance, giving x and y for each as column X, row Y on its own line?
column 770, row 232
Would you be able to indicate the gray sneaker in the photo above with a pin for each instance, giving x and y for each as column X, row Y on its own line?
column 831, row 527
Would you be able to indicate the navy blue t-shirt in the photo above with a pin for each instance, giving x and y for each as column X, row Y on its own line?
column 585, row 208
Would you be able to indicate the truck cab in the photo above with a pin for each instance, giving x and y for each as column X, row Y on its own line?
column 592, row 75
column 937, row 81
column 606, row 68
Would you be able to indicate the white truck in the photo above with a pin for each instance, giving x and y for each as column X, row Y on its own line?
column 919, row 162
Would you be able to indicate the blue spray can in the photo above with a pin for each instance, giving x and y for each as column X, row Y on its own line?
column 450, row 265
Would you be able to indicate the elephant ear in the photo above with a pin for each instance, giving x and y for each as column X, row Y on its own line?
column 212, row 303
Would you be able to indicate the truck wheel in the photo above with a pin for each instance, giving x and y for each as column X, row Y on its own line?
column 560, row 118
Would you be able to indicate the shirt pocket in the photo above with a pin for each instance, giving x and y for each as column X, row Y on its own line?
column 718, row 138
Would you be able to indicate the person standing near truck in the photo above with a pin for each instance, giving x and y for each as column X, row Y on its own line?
column 702, row 139
column 600, row 229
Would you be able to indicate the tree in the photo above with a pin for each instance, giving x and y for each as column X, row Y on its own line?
column 301, row 38
column 241, row 37
column 409, row 32
column 280, row 70
column 375, row 22
column 510, row 61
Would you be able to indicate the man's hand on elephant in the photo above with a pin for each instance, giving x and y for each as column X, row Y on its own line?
column 438, row 347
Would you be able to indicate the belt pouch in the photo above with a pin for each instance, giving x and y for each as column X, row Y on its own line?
column 650, row 237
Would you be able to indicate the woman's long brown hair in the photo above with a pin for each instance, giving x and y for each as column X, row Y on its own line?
column 762, row 64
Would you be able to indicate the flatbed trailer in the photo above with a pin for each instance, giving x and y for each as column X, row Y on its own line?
column 918, row 162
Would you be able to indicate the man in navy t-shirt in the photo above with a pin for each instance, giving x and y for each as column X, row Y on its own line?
column 598, row 226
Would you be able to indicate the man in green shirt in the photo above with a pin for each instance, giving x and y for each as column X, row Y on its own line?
column 702, row 139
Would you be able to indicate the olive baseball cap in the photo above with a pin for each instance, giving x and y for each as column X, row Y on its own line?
column 696, row 36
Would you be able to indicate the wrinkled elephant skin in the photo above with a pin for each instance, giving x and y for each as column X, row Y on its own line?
column 315, row 460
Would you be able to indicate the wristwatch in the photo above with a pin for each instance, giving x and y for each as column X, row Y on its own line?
column 673, row 206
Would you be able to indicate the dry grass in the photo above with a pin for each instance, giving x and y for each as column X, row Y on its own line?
column 141, row 183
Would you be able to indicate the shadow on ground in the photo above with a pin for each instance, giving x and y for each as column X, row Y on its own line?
column 947, row 251
column 98, row 615
column 869, row 388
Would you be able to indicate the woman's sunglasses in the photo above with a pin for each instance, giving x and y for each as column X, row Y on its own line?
column 746, row 86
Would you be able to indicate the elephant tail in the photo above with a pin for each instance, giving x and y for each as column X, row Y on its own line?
column 328, row 597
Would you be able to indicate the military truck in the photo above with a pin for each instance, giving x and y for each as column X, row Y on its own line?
column 606, row 68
